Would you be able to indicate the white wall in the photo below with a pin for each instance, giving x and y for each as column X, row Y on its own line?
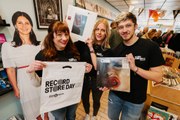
column 104, row 4
column 8, row 7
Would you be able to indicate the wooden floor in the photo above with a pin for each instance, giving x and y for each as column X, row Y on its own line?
column 102, row 114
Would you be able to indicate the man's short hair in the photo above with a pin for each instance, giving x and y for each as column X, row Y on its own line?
column 123, row 16
column 113, row 24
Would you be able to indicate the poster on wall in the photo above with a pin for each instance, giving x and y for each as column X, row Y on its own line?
column 47, row 11
column 113, row 73
column 80, row 22
column 61, row 85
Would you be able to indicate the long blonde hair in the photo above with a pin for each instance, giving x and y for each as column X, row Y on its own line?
column 105, row 44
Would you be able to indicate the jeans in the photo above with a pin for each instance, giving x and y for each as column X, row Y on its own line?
column 66, row 113
column 128, row 110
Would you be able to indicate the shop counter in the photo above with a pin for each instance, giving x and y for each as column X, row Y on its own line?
column 165, row 96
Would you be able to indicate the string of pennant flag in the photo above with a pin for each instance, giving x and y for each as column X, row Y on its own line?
column 155, row 14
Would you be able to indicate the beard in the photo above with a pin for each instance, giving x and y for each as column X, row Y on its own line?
column 128, row 37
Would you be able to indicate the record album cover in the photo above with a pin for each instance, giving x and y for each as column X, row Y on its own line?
column 80, row 22
column 158, row 114
column 113, row 73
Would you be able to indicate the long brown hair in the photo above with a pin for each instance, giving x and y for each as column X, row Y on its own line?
column 50, row 51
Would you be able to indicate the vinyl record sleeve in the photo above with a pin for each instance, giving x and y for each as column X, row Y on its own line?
column 80, row 23
column 158, row 114
column 113, row 73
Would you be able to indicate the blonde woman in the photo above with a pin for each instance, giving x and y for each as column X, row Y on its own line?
column 96, row 46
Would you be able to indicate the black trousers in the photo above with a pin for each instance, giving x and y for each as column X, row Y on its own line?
column 90, row 84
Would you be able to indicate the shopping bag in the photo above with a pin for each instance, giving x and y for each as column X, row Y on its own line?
column 61, row 85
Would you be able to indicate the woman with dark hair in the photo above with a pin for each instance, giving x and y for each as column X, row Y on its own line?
column 58, row 46
column 17, row 39
column 16, row 57
column 50, row 50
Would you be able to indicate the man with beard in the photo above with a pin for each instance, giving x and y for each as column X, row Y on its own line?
column 145, row 61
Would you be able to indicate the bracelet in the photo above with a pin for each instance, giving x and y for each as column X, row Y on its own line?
column 136, row 70
column 92, row 51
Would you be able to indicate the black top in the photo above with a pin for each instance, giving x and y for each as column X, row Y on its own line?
column 85, row 54
column 159, row 41
column 147, row 54
column 61, row 56
column 174, row 42
column 115, row 39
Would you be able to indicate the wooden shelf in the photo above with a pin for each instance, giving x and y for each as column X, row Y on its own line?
column 5, row 90
column 4, row 25
column 165, row 96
